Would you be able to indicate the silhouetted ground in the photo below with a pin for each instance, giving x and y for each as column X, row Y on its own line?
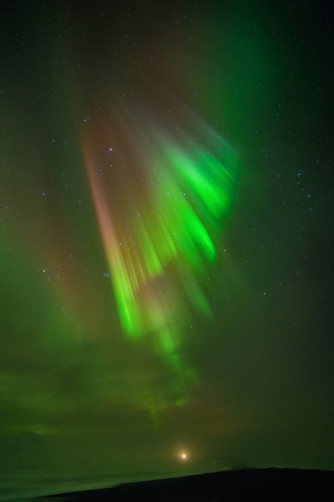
column 249, row 485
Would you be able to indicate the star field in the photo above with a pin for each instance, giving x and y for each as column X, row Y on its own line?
column 166, row 202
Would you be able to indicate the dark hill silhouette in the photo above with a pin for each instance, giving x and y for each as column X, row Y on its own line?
column 245, row 485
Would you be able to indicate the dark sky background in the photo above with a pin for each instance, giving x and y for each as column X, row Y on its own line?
column 234, row 366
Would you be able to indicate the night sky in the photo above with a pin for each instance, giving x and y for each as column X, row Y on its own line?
column 166, row 239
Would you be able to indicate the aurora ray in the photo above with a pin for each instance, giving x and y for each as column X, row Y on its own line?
column 160, row 209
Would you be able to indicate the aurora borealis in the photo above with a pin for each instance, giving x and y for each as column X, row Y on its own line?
column 157, row 227
column 165, row 240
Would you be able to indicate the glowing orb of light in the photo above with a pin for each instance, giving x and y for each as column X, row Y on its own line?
column 184, row 456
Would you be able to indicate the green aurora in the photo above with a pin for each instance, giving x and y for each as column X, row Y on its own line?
column 160, row 245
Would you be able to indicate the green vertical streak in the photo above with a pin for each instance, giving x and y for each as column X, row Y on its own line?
column 193, row 192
